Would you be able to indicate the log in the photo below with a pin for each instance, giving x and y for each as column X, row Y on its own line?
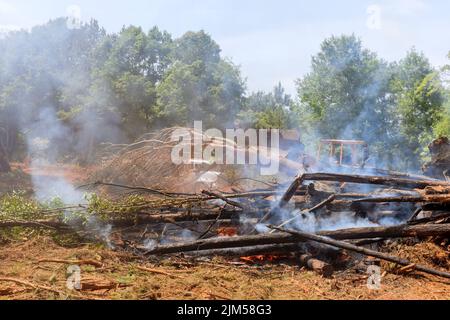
column 319, row 266
column 321, row 204
column 269, row 249
column 430, row 219
column 402, row 231
column 365, row 251
column 414, row 215
column 436, row 206
column 290, row 192
column 376, row 180
column 175, row 217
column 442, row 198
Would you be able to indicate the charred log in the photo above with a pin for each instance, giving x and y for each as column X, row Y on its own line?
column 401, row 231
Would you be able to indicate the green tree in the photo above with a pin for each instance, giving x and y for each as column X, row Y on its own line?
column 346, row 95
column 442, row 127
column 268, row 110
column 419, row 98
column 47, row 67
column 199, row 84
column 125, row 82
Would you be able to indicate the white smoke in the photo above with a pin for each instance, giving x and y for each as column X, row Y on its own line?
column 43, row 140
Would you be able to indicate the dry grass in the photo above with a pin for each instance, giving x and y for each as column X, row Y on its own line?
column 123, row 277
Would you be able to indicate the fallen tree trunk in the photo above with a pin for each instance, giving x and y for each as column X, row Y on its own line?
column 441, row 198
column 376, row 180
column 430, row 219
column 368, row 252
column 401, row 231
column 290, row 192
column 142, row 219
column 268, row 249
column 319, row 266
column 436, row 206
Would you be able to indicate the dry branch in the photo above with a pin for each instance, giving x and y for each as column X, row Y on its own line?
column 29, row 284
column 221, row 197
column 377, row 180
column 34, row 224
column 94, row 263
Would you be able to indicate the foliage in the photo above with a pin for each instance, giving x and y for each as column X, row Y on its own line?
column 352, row 94
column 125, row 83
column 16, row 206
column 113, row 87
column 268, row 110
column 199, row 85
column 108, row 209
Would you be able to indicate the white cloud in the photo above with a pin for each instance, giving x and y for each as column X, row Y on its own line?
column 6, row 7
column 406, row 7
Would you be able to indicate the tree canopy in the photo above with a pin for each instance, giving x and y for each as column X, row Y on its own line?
column 114, row 87
column 351, row 93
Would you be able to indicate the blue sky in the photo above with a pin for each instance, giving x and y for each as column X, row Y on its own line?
column 272, row 40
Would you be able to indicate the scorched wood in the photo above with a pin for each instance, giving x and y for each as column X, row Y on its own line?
column 401, row 231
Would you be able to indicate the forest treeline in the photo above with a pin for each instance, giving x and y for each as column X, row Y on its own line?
column 114, row 87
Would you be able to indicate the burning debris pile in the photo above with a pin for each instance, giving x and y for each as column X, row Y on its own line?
column 302, row 219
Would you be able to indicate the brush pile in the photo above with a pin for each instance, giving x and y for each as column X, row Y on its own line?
column 315, row 218
column 148, row 162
